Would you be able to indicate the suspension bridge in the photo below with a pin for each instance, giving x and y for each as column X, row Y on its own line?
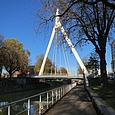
column 58, row 27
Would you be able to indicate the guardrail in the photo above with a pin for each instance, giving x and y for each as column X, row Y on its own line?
column 36, row 104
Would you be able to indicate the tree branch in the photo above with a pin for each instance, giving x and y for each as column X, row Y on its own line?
column 105, row 2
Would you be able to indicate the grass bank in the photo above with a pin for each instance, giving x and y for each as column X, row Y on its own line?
column 106, row 93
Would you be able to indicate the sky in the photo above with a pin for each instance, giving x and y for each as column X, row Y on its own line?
column 17, row 21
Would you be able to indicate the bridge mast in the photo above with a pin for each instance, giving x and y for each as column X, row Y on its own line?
column 48, row 48
column 47, row 51
column 58, row 26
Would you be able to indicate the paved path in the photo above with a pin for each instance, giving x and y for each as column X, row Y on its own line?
column 76, row 102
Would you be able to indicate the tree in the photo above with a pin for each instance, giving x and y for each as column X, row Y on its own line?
column 14, row 56
column 85, row 61
column 84, row 23
column 62, row 71
column 93, row 63
column 108, row 3
column 24, row 59
column 1, row 59
column 49, row 66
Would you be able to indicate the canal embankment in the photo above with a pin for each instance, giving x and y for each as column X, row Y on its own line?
column 101, row 107
column 24, row 84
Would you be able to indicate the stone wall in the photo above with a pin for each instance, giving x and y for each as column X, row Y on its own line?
column 100, row 105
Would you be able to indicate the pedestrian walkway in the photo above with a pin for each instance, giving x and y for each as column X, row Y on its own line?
column 76, row 102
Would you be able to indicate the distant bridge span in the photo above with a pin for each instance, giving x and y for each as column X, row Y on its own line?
column 58, row 77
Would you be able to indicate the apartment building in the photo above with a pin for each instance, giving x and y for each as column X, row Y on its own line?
column 113, row 56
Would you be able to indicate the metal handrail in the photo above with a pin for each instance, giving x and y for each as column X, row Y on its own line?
column 45, row 101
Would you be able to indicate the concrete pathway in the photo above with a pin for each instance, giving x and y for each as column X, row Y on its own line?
column 76, row 102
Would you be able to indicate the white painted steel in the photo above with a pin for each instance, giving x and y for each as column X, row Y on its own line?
column 40, row 106
column 56, row 94
column 57, row 76
column 9, row 110
column 52, row 98
column 47, row 51
column 47, row 100
column 28, row 106
column 58, row 26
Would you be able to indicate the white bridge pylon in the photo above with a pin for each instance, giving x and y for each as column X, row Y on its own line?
column 58, row 26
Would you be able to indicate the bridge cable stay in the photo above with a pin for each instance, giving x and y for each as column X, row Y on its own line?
column 58, row 53
column 64, row 51
column 53, row 60
column 65, row 57
column 68, row 63
column 58, row 50
column 58, row 26
column 55, row 52
column 60, row 60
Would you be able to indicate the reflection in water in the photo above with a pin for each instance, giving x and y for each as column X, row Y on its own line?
column 3, row 103
column 6, row 98
column 17, row 108
column 32, row 109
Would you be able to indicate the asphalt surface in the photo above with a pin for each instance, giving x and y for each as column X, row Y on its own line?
column 76, row 102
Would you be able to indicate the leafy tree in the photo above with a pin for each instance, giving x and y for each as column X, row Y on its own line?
column 24, row 58
column 62, row 71
column 93, row 63
column 14, row 56
column 1, row 59
column 85, row 61
column 49, row 66
column 84, row 23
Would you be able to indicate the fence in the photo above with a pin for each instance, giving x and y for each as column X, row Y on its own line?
column 36, row 104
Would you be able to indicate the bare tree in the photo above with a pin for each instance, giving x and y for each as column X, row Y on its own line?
column 85, row 23
column 108, row 3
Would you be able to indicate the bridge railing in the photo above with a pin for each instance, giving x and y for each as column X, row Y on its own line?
column 54, row 74
column 36, row 104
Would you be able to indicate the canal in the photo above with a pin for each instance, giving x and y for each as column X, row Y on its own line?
column 10, row 97
column 6, row 98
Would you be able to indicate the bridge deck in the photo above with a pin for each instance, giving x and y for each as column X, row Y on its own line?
column 57, row 76
column 76, row 102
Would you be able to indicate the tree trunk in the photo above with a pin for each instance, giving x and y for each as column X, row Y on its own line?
column 10, row 73
column 0, row 71
column 103, row 68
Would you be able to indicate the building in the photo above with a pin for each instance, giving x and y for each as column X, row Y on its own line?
column 113, row 56
column 28, row 72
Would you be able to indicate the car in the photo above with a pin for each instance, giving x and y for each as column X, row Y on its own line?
column 110, row 77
